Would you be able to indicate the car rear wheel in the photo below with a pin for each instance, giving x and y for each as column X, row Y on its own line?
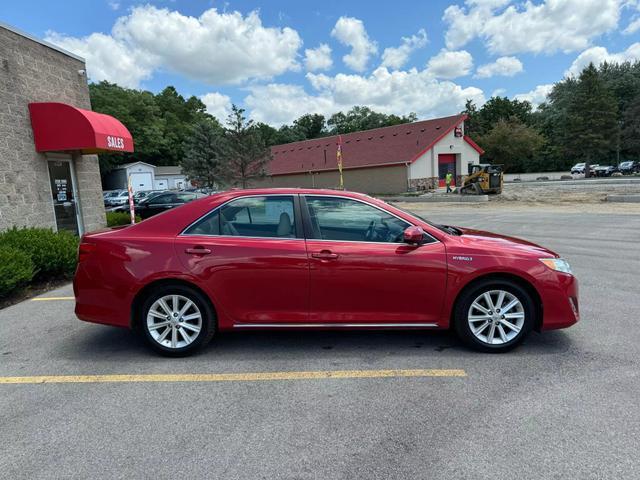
column 494, row 316
column 177, row 320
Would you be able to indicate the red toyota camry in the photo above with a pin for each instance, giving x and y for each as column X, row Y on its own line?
column 316, row 259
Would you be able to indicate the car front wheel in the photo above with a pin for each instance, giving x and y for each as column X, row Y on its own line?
column 177, row 320
column 494, row 316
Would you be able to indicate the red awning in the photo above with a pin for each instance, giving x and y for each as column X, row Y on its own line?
column 61, row 127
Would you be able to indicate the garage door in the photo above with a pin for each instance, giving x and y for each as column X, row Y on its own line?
column 141, row 181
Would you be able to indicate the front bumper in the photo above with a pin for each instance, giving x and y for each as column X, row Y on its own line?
column 560, row 306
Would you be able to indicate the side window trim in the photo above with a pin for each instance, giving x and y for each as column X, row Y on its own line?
column 295, row 198
column 308, row 229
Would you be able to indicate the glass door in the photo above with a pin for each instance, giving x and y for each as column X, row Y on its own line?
column 64, row 198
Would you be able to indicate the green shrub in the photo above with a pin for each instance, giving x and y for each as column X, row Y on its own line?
column 120, row 218
column 53, row 254
column 16, row 269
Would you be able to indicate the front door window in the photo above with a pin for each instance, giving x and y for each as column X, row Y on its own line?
column 64, row 200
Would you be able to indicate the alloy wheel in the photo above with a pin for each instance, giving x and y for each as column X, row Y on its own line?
column 496, row 317
column 174, row 321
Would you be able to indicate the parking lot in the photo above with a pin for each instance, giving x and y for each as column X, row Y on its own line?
column 563, row 405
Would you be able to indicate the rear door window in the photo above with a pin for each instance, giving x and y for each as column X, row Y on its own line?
column 268, row 216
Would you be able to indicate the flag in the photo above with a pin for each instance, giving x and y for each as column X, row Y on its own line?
column 339, row 159
column 131, row 207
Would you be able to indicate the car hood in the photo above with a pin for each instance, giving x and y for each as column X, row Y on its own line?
column 496, row 243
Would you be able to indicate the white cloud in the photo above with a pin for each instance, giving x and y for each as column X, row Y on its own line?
column 398, row 92
column 396, row 57
column 545, row 27
column 218, row 105
column 215, row 48
column 633, row 27
column 318, row 58
column 503, row 66
column 277, row 104
column 113, row 5
column 499, row 92
column 351, row 32
column 447, row 64
column 634, row 24
column 536, row 96
column 108, row 59
column 598, row 55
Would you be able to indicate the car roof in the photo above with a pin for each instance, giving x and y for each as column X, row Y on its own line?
column 290, row 191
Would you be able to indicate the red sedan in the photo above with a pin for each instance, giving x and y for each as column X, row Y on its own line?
column 316, row 259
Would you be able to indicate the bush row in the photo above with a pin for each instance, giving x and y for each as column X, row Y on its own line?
column 115, row 219
column 40, row 254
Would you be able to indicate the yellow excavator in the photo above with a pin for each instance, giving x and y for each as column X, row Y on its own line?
column 483, row 179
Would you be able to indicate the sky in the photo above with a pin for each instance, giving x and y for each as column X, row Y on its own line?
column 281, row 59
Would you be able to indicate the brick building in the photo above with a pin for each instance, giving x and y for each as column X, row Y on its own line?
column 49, row 174
column 383, row 160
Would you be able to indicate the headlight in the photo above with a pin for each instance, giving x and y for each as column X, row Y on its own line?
column 557, row 264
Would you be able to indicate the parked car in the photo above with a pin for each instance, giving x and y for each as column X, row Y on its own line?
column 115, row 198
column 142, row 194
column 629, row 167
column 154, row 204
column 577, row 169
column 316, row 259
column 604, row 170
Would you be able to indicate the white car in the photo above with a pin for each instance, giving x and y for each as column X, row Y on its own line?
column 116, row 198
column 578, row 168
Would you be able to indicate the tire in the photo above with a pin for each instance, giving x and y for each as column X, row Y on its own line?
column 193, row 329
column 507, row 333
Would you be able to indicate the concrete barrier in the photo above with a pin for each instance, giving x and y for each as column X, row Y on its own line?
column 623, row 198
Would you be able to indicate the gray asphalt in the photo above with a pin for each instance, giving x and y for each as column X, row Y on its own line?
column 563, row 405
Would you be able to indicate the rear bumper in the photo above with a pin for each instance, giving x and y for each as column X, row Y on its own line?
column 560, row 304
column 97, row 302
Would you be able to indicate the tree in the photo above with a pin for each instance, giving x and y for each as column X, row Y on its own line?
column 500, row 108
column 630, row 135
column 206, row 150
column 363, row 118
column 310, row 125
column 512, row 144
column 471, row 111
column 592, row 118
column 248, row 153
column 179, row 116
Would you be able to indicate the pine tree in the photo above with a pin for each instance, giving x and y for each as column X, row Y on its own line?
column 206, row 150
column 248, row 153
column 630, row 135
column 592, row 118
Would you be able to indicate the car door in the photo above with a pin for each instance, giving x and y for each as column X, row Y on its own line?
column 361, row 271
column 251, row 254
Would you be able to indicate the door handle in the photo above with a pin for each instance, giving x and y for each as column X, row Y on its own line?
column 198, row 251
column 325, row 255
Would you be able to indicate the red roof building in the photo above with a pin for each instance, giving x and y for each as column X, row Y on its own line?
column 382, row 160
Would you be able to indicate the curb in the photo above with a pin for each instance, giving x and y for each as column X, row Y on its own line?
column 623, row 198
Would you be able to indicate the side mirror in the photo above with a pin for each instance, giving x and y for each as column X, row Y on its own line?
column 413, row 235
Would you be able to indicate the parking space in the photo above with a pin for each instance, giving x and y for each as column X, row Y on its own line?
column 340, row 404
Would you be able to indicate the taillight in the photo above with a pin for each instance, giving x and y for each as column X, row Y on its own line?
column 85, row 250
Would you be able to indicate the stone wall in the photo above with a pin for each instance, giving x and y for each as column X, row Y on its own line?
column 33, row 72
column 424, row 183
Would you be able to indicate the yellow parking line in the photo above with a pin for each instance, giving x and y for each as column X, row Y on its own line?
column 44, row 299
column 233, row 377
